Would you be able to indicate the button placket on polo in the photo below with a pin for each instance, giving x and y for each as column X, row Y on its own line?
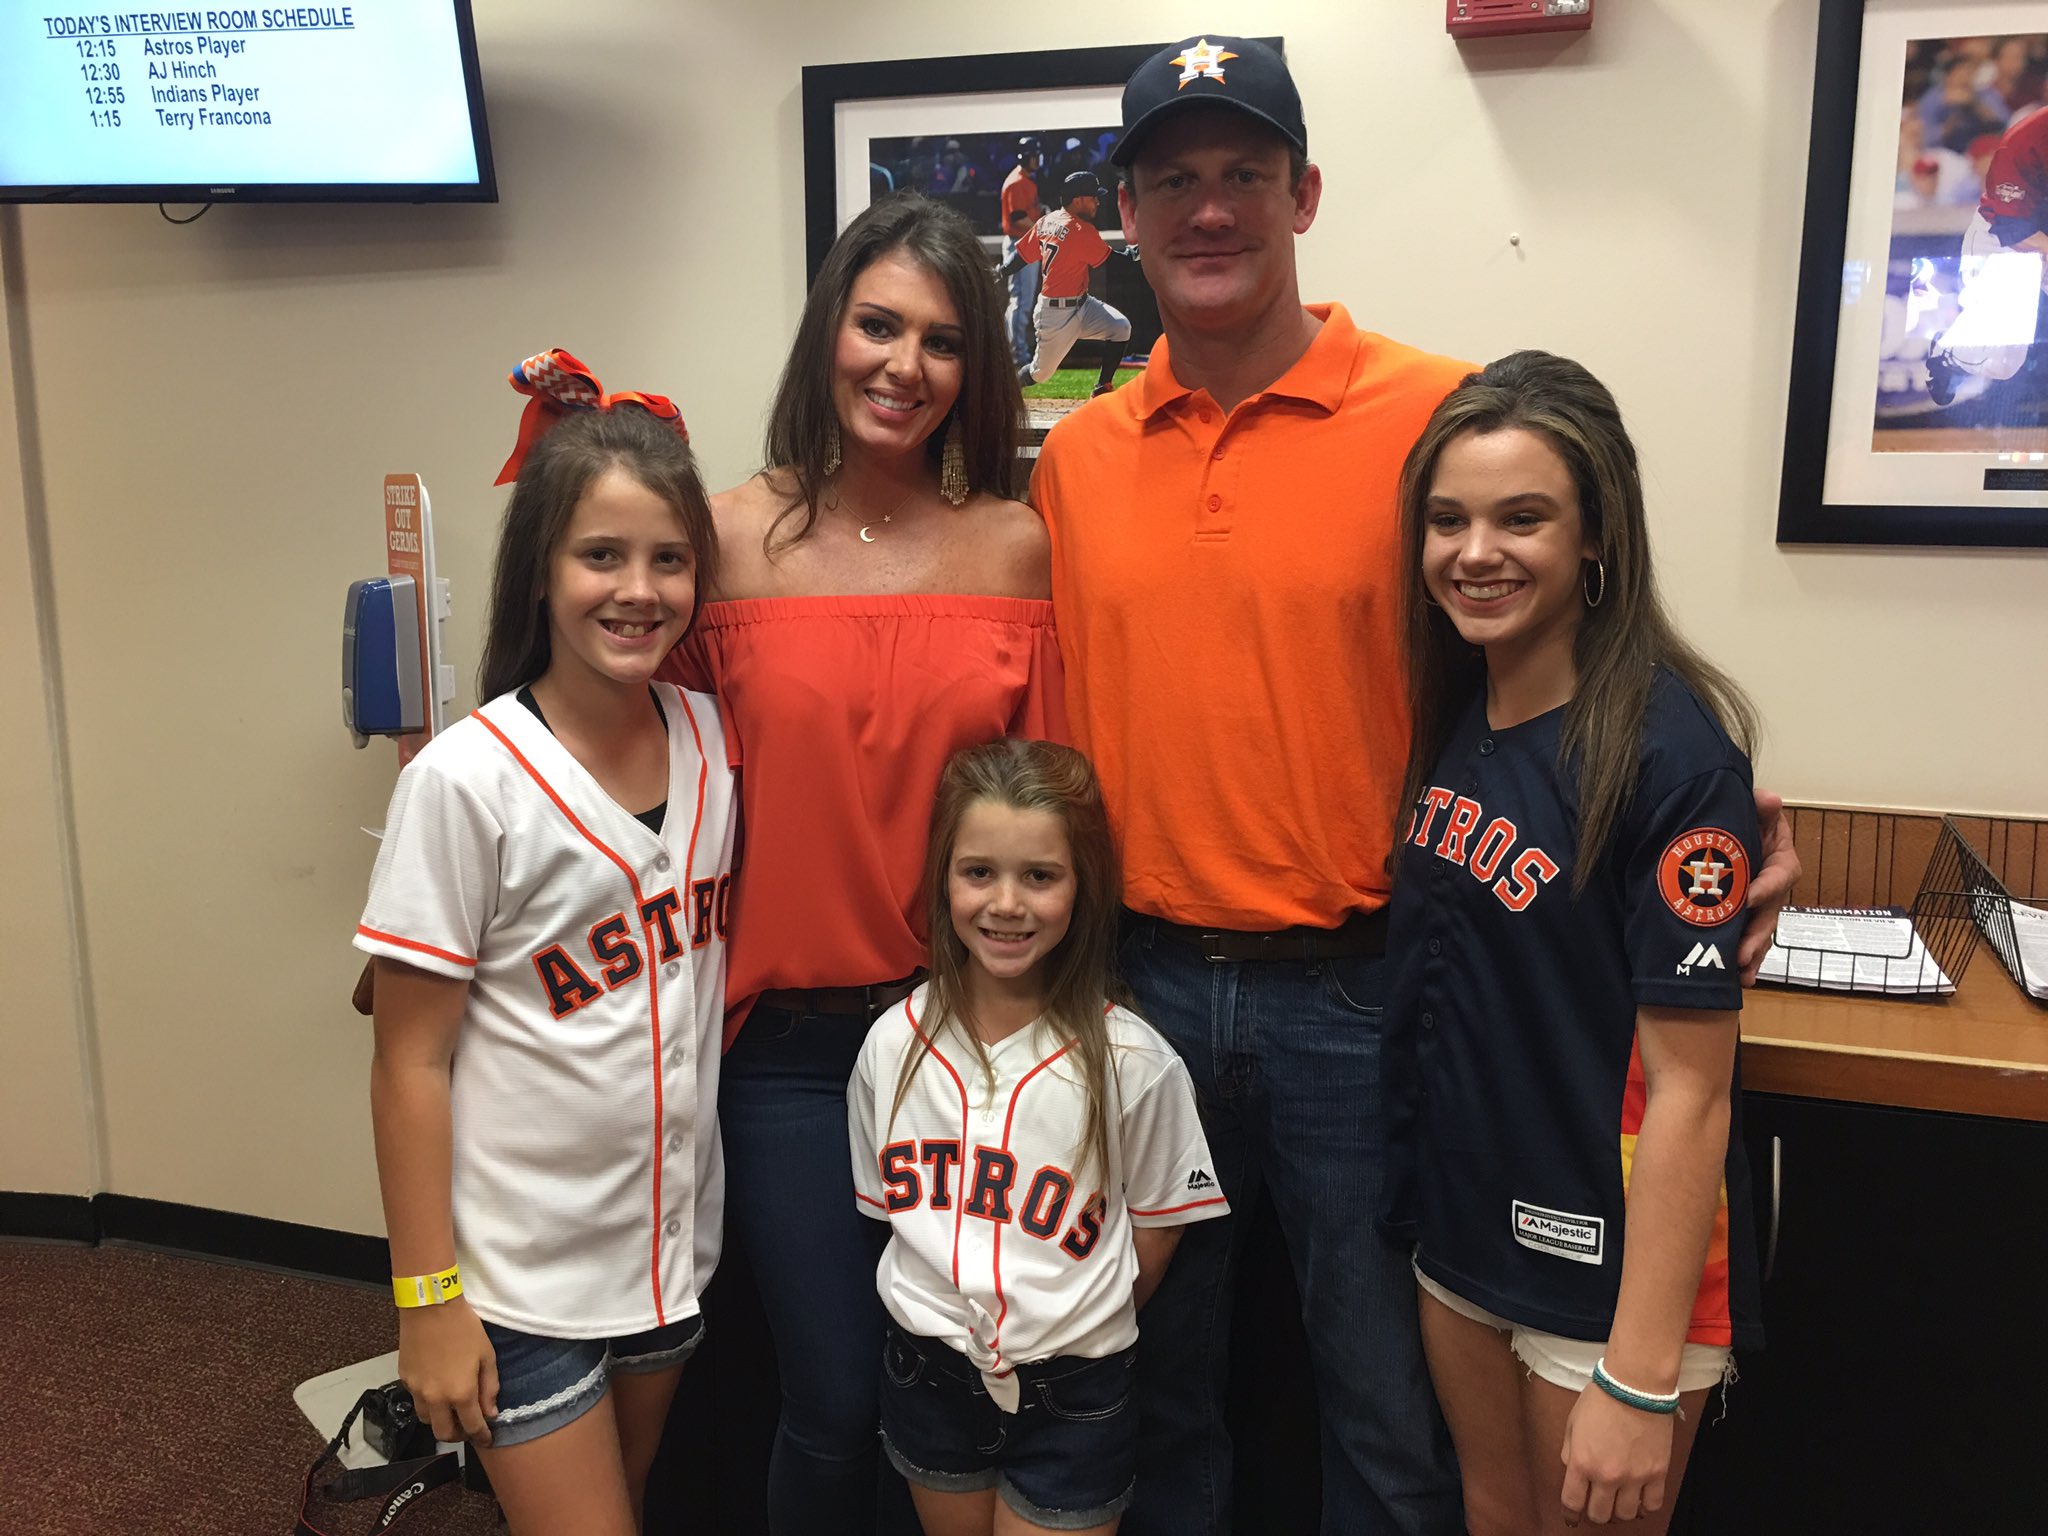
column 1209, row 428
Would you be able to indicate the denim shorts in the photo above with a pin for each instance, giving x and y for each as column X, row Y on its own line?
column 545, row 1383
column 1066, row 1460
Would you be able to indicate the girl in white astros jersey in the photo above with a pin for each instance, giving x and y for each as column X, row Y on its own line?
column 547, row 917
column 1035, row 1151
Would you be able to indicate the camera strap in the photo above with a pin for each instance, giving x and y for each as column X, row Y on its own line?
column 401, row 1484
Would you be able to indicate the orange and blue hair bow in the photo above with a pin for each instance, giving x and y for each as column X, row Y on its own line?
column 556, row 383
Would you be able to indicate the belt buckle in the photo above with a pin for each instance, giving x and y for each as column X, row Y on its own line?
column 1212, row 948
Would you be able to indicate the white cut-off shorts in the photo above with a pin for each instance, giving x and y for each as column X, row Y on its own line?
column 1568, row 1363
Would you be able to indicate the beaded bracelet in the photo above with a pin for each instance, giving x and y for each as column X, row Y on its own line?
column 1648, row 1402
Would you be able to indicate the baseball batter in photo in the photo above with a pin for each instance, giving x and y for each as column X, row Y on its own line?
column 1563, row 1138
column 547, row 918
column 1067, row 246
column 1035, row 1151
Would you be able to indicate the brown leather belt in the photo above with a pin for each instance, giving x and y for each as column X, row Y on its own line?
column 841, row 1002
column 1362, row 933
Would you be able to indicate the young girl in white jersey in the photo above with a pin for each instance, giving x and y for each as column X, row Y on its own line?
column 1561, row 1026
column 1035, row 1150
column 546, row 919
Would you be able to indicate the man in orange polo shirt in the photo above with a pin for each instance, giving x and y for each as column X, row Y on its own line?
column 1225, row 562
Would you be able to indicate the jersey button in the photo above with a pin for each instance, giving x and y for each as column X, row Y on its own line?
column 1215, row 502
column 672, row 968
column 1429, row 1021
column 1436, row 946
column 675, row 1142
column 662, row 862
column 1204, row 416
column 1486, row 747
column 1218, row 453
column 672, row 1226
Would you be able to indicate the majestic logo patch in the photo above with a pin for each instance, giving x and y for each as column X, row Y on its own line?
column 2005, row 191
column 1200, row 1179
column 1202, row 59
column 1703, row 876
column 1581, row 1239
column 1706, row 956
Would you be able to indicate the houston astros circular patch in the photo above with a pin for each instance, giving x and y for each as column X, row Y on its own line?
column 1703, row 876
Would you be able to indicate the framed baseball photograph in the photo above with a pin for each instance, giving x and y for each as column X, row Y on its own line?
column 1919, row 394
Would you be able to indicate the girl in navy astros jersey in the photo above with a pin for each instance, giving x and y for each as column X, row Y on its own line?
column 1562, row 1006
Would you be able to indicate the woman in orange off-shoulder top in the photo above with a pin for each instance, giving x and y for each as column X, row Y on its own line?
column 881, row 602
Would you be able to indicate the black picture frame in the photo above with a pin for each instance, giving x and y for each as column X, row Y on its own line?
column 1805, row 516
column 825, row 86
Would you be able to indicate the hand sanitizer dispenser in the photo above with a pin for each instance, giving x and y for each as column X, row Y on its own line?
column 381, row 688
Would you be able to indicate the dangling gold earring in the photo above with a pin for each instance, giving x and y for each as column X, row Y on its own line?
column 1593, row 594
column 832, row 446
column 953, row 466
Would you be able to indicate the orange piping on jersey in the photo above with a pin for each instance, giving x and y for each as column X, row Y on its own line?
column 869, row 1200
column 1009, row 1119
column 660, row 1103
column 653, row 990
column 1174, row 1210
column 960, row 1201
column 425, row 949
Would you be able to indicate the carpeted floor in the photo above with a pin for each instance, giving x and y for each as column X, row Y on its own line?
column 142, row 1392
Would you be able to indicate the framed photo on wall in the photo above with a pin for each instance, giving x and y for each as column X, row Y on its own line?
column 950, row 128
column 1918, row 411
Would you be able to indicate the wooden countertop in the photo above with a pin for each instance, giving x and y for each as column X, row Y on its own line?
column 1984, row 1051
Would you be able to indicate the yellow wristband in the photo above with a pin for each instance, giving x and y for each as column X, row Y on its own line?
column 427, row 1290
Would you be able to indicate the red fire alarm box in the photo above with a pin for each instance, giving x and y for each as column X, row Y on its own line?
column 1504, row 18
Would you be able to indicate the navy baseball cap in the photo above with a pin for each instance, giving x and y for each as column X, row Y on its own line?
column 1080, row 184
column 1236, row 72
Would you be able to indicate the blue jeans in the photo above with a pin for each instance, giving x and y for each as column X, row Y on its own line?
column 1285, row 1057
column 789, row 1202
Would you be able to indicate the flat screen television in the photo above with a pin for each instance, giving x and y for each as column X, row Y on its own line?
column 372, row 101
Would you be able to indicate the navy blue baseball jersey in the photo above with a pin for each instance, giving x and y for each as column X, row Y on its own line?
column 1514, row 1088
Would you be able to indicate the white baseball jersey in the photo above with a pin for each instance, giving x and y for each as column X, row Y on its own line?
column 587, row 1183
column 996, row 1249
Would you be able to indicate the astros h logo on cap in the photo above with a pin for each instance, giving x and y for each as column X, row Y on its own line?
column 1239, row 72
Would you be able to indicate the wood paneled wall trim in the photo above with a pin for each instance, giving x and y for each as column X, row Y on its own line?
column 1856, row 857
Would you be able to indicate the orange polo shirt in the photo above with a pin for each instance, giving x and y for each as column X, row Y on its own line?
column 1225, row 588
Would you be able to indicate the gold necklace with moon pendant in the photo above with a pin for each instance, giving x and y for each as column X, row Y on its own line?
column 867, row 531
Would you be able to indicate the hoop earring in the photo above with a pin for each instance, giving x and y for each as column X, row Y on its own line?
column 1593, row 596
column 953, row 466
column 832, row 446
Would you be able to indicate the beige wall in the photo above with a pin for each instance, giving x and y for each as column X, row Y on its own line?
column 219, row 401
column 47, row 1114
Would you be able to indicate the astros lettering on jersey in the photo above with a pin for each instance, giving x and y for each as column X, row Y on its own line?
column 1514, row 1083
column 587, row 1181
column 998, row 1249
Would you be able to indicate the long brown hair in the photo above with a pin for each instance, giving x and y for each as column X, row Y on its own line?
column 1621, row 640
column 563, row 466
column 990, row 406
column 1031, row 776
